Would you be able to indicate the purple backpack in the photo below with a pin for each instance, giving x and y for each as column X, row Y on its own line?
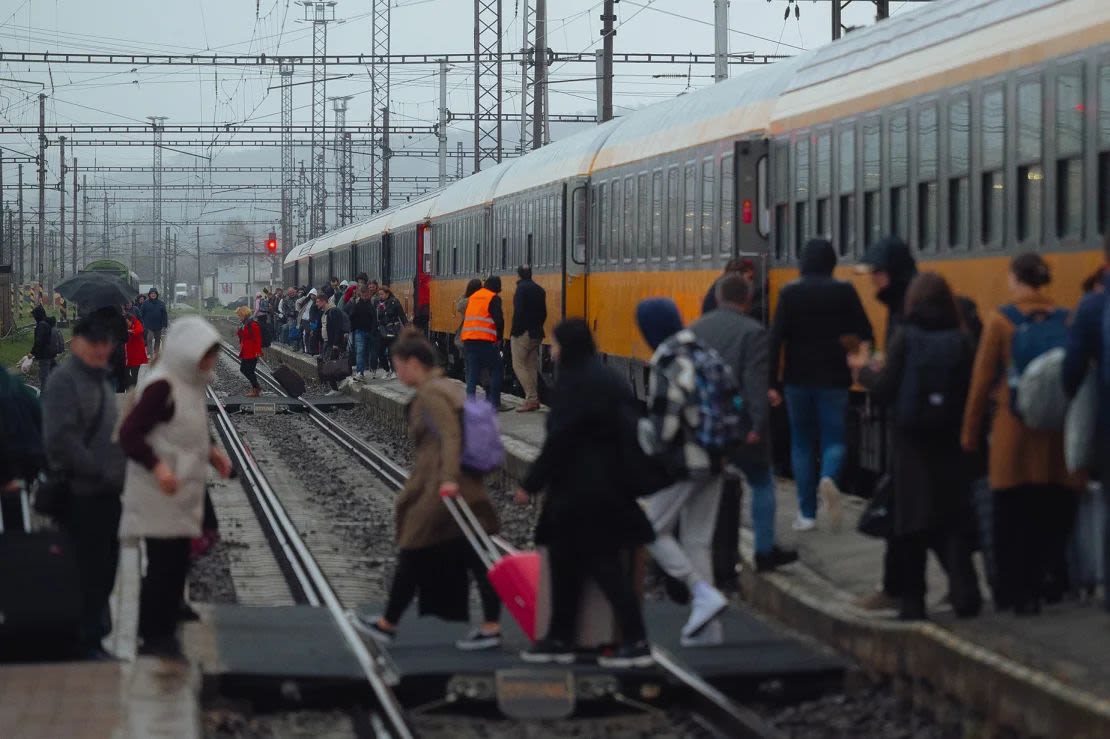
column 482, row 450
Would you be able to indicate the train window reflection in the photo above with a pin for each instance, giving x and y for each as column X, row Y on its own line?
column 727, row 204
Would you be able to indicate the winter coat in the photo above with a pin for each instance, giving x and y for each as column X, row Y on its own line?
column 1085, row 348
column 250, row 340
column 153, row 315
column 182, row 442
column 135, row 350
column 586, row 507
column 390, row 311
column 363, row 316
column 40, row 349
column 529, row 309
column 931, row 475
column 334, row 329
column 1018, row 454
column 814, row 314
column 435, row 429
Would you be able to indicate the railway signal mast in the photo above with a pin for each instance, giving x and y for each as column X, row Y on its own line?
column 319, row 13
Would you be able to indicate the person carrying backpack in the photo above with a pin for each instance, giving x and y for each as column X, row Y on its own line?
column 924, row 382
column 47, row 345
column 1034, row 496
column 694, row 423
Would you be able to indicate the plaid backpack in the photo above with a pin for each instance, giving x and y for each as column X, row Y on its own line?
column 720, row 422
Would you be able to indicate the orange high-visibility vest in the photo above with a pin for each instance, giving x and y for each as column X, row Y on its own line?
column 478, row 324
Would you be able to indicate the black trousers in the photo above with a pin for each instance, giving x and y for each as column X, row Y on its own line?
column 1032, row 524
column 167, row 565
column 94, row 526
column 953, row 549
column 133, row 376
column 405, row 581
column 249, row 367
column 569, row 570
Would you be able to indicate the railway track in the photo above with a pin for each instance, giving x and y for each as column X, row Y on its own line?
column 710, row 710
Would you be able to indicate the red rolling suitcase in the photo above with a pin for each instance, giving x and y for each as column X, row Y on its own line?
column 515, row 576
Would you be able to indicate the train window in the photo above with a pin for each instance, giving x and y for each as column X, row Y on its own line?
column 657, row 214
column 872, row 180
column 728, row 203
column 1070, row 114
column 927, row 140
column 1030, row 173
column 504, row 253
column 454, row 259
column 899, row 211
column 1104, row 145
column 708, row 197
column 780, row 192
column 823, row 185
column 898, row 142
column 846, row 179
column 959, row 142
column 603, row 226
column 615, row 220
column 801, row 193
column 992, row 179
column 690, row 213
column 673, row 203
column 761, row 206
column 643, row 213
column 528, row 250
column 630, row 229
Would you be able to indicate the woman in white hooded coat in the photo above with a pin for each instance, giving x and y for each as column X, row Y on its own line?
column 166, row 439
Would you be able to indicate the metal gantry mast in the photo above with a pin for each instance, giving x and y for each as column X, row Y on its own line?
column 302, row 206
column 287, row 175
column 319, row 13
column 541, row 131
column 527, row 64
column 156, row 123
column 58, row 261
column 344, row 169
column 487, row 82
column 720, row 40
column 379, row 102
column 40, row 272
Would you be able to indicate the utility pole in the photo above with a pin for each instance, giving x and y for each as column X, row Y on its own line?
column 105, row 249
column 157, row 123
column 608, row 16
column 720, row 40
column 73, row 246
column 379, row 98
column 134, row 249
column 487, row 82
column 441, row 129
column 22, row 265
column 319, row 13
column 200, row 279
column 344, row 174
column 386, row 154
column 85, row 220
column 42, row 190
column 60, row 267
column 302, row 206
column 287, row 176
column 528, row 59
column 166, row 261
column 540, row 133
column 458, row 160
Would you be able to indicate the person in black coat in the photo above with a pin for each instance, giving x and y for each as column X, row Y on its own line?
column 930, row 353
column 819, row 318
column 41, row 348
column 589, row 521
column 333, row 333
column 364, row 324
column 526, row 336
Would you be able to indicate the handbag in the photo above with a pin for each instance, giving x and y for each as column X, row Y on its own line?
column 390, row 330
column 336, row 367
column 877, row 519
column 54, row 488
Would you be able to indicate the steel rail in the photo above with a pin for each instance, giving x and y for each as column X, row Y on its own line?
column 311, row 578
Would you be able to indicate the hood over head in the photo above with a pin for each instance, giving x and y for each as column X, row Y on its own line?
column 189, row 338
column 891, row 255
column 658, row 319
column 576, row 343
column 38, row 313
column 818, row 258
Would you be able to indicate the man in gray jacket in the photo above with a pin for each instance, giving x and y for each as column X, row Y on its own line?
column 79, row 413
column 742, row 344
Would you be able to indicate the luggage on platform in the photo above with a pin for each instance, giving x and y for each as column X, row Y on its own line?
column 515, row 576
column 290, row 381
column 726, row 535
column 40, row 597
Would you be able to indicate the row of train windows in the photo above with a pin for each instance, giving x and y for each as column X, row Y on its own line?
column 1003, row 179
column 403, row 256
column 666, row 213
column 525, row 232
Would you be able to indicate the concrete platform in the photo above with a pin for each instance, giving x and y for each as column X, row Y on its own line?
column 261, row 652
column 1044, row 676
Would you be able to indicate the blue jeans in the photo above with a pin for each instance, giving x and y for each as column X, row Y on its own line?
column 815, row 413
column 483, row 355
column 362, row 349
column 762, row 484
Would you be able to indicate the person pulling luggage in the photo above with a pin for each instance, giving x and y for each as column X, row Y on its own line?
column 250, row 349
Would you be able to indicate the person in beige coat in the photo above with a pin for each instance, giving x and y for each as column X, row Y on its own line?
column 166, row 439
column 434, row 557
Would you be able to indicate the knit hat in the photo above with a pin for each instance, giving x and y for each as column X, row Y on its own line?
column 658, row 319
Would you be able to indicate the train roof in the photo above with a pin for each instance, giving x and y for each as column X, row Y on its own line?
column 477, row 189
column 417, row 210
column 559, row 160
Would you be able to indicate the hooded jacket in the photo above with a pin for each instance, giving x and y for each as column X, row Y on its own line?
column 153, row 315
column 814, row 313
column 169, row 424
column 44, row 326
column 891, row 255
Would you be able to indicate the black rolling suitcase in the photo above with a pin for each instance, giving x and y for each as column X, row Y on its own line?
column 726, row 536
column 40, row 595
column 289, row 380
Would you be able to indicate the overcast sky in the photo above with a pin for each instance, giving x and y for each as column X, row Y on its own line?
column 119, row 94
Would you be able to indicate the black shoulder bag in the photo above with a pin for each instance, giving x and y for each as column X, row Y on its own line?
column 54, row 489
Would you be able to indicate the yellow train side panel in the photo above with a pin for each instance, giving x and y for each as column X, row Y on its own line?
column 984, row 280
column 446, row 292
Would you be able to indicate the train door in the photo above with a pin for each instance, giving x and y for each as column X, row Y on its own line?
column 311, row 273
column 750, row 217
column 575, row 218
column 387, row 259
column 422, row 295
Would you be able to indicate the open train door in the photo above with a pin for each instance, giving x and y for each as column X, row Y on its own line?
column 387, row 259
column 421, row 295
column 575, row 262
column 752, row 219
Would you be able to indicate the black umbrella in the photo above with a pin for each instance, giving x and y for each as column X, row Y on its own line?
column 92, row 290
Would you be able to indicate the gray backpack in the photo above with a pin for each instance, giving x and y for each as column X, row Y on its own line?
column 57, row 343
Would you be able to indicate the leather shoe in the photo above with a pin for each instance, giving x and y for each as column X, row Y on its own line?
column 528, row 407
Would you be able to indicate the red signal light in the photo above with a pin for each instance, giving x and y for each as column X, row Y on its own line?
column 271, row 243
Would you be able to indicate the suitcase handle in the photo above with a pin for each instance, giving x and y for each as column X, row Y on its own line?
column 473, row 530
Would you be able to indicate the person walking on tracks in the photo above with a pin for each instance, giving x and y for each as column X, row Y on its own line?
column 79, row 413
column 924, row 381
column 250, row 348
column 816, row 314
column 135, row 350
column 742, row 343
column 687, row 388
column 590, row 522
column 482, row 329
column 167, row 442
column 155, row 320
column 526, row 336
column 45, row 348
column 434, row 556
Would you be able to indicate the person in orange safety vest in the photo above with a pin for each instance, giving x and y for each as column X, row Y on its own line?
column 482, row 329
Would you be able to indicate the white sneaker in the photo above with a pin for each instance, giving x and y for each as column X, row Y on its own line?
column 391, row 376
column 713, row 635
column 803, row 523
column 707, row 604
column 333, row 393
column 829, row 493
column 379, row 374
column 368, row 626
